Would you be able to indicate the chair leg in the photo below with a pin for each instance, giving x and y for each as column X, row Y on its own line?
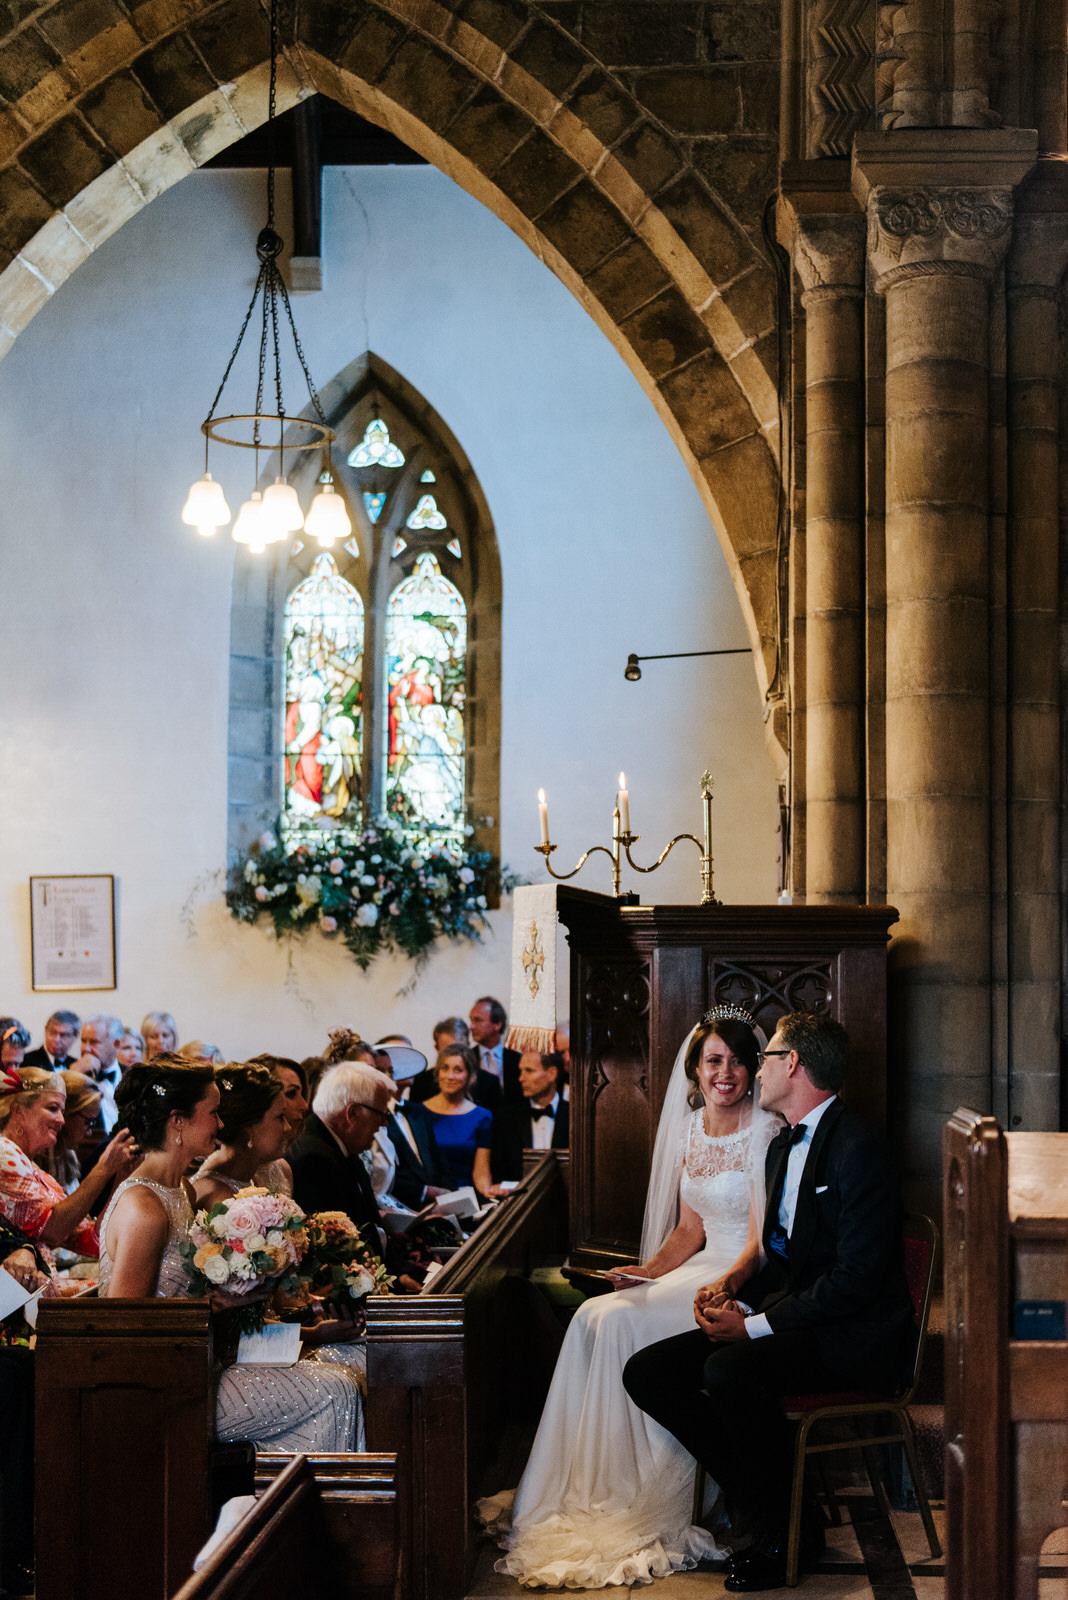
column 834, row 1510
column 875, row 1478
column 793, row 1543
column 908, row 1439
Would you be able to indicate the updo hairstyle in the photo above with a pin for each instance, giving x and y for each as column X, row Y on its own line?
column 247, row 1091
column 457, row 1050
column 740, row 1041
column 151, row 1090
column 35, row 1082
column 345, row 1045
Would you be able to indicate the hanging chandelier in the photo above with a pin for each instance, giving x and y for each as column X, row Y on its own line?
column 265, row 518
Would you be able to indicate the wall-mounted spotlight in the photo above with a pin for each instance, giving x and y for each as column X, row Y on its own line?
column 632, row 671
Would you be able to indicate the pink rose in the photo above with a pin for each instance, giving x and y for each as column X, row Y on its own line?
column 241, row 1220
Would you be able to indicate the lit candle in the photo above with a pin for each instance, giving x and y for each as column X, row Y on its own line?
column 623, row 802
column 543, row 813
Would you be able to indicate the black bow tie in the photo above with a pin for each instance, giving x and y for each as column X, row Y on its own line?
column 541, row 1111
column 790, row 1136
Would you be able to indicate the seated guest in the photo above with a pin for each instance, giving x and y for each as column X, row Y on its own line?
column 292, row 1077
column 101, row 1035
column 462, row 1128
column 13, row 1041
column 60, row 1032
column 541, row 1122
column 486, row 1090
column 416, row 1174
column 32, row 1104
column 18, row 1258
column 352, row 1101
column 131, row 1049
column 160, row 1034
column 252, row 1135
column 201, row 1050
column 80, row 1112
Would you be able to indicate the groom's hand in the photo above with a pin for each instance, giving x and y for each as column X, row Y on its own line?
column 724, row 1324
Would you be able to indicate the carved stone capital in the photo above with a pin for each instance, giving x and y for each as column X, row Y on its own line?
column 967, row 229
column 828, row 253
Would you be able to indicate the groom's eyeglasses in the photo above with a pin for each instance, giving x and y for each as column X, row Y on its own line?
column 762, row 1055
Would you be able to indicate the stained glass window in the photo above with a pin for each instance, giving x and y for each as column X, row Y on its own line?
column 324, row 717
column 374, row 504
column 453, row 547
column 426, row 514
column 428, row 477
column 399, row 545
column 425, row 647
column 376, row 448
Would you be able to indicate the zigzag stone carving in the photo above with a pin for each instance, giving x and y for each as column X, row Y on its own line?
column 841, row 52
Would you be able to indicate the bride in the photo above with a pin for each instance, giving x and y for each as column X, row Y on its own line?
column 607, row 1494
column 171, row 1106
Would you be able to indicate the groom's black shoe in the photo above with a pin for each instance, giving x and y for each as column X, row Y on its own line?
column 763, row 1565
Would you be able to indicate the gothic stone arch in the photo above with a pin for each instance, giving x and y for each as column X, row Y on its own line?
column 635, row 163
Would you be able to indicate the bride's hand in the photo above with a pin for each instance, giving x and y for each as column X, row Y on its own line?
column 622, row 1277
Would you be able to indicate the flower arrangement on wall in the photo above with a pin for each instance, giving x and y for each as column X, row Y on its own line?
column 382, row 889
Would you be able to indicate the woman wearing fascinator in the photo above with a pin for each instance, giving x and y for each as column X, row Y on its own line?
column 607, row 1494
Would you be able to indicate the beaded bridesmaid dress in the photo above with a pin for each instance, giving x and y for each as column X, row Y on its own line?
column 310, row 1407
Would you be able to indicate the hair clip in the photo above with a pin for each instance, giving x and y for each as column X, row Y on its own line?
column 159, row 1088
column 728, row 1014
column 226, row 1083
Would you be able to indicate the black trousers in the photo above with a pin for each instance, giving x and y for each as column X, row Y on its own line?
column 722, row 1402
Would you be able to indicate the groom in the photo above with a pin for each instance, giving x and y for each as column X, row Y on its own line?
column 828, row 1310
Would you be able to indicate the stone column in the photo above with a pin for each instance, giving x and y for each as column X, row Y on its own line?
column 828, row 255
column 935, row 243
column 1031, row 1087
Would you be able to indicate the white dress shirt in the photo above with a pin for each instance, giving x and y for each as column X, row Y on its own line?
column 757, row 1326
column 541, row 1128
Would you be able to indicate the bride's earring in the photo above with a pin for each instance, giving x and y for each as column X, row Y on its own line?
column 251, row 1141
column 178, row 1138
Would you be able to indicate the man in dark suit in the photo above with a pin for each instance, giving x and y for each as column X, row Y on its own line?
column 352, row 1101
column 539, row 1122
column 60, row 1032
column 828, row 1310
column 417, row 1172
column 488, row 1020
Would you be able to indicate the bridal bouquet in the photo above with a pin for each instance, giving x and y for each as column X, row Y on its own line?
column 338, row 1267
column 256, row 1240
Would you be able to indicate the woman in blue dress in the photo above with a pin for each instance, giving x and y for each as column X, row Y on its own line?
column 461, row 1128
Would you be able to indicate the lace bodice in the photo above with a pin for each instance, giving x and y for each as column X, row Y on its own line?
column 172, row 1281
column 715, row 1181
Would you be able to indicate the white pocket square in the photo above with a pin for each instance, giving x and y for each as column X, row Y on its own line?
column 823, row 1189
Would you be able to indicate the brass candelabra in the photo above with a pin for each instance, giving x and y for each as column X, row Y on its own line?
column 622, row 839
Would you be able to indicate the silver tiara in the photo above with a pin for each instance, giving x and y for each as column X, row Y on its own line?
column 728, row 1014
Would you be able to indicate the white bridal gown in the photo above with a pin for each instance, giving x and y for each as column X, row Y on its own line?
column 607, row 1495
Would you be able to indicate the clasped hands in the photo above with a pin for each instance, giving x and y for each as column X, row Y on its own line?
column 718, row 1314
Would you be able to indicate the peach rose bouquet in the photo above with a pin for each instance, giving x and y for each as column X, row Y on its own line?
column 252, row 1243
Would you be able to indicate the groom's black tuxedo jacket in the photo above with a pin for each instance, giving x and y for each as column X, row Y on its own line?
column 513, row 1133
column 843, row 1276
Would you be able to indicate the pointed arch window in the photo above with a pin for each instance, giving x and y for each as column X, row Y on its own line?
column 366, row 680
column 323, row 765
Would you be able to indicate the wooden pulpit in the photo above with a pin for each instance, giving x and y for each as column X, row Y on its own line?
column 641, row 976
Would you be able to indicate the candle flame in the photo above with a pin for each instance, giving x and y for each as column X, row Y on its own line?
column 622, row 780
column 541, row 796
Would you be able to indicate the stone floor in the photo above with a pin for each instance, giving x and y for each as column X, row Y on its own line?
column 865, row 1561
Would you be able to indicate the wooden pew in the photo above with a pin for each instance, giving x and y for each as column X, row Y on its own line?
column 447, row 1369
column 1006, row 1239
column 126, row 1406
column 125, row 1412
column 323, row 1524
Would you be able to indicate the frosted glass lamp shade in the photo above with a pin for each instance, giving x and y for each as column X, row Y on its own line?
column 282, row 508
column 328, row 520
column 252, row 526
column 205, row 508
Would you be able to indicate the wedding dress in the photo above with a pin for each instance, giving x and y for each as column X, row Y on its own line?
column 607, row 1495
column 308, row 1407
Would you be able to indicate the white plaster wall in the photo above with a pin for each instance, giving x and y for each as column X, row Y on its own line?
column 116, row 618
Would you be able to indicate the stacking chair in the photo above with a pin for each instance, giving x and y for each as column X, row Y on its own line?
column 809, row 1410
